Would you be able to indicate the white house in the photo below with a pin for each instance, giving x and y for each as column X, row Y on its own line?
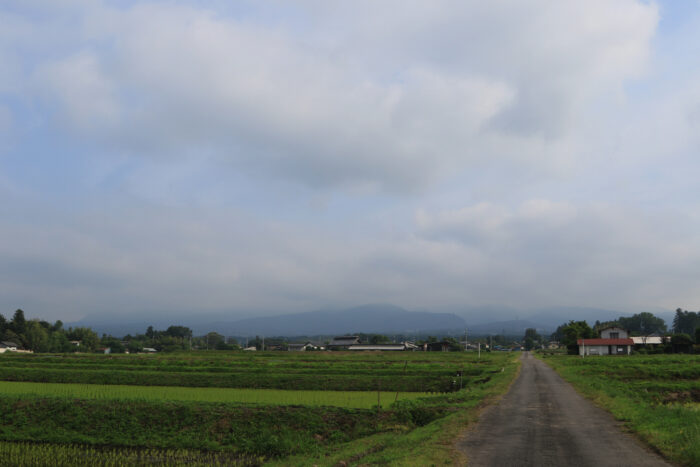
column 613, row 341
column 7, row 346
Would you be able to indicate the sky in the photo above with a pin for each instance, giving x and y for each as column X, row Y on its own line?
column 256, row 158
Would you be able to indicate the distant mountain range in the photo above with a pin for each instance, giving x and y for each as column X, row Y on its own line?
column 382, row 319
column 373, row 318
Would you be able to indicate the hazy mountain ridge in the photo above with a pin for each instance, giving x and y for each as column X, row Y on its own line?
column 371, row 318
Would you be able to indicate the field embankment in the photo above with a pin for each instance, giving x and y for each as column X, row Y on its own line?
column 656, row 396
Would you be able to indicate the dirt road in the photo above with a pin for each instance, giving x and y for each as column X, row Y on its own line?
column 543, row 421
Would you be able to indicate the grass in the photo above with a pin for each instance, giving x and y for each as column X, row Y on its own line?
column 349, row 399
column 656, row 396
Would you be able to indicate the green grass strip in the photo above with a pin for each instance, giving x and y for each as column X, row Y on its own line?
column 349, row 399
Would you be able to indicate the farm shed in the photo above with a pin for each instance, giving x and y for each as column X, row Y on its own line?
column 343, row 342
column 648, row 341
column 442, row 346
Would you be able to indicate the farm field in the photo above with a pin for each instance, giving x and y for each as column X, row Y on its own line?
column 657, row 396
column 327, row 371
column 349, row 399
column 199, row 422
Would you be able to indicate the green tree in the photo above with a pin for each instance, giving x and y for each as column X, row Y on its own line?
column 378, row 339
column 531, row 338
column 36, row 336
column 685, row 322
column 18, row 322
column 643, row 324
column 574, row 330
column 3, row 326
column 58, row 342
column 89, row 340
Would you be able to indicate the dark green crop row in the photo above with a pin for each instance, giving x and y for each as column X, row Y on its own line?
column 247, row 431
column 342, row 382
column 436, row 371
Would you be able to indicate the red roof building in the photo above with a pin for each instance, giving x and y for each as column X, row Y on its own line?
column 613, row 341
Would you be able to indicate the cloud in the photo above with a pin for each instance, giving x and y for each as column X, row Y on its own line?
column 333, row 97
column 284, row 156
column 541, row 251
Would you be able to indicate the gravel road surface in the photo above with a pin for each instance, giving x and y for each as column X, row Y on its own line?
column 543, row 421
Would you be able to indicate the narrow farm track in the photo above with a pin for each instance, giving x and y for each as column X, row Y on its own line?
column 543, row 421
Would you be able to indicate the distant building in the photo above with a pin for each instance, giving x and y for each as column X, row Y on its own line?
column 8, row 346
column 442, row 346
column 252, row 348
column 343, row 342
column 613, row 341
column 302, row 347
column 384, row 347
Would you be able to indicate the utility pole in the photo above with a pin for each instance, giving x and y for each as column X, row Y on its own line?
column 263, row 343
column 466, row 342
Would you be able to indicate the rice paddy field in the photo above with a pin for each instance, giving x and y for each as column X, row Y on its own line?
column 657, row 396
column 349, row 399
column 235, row 408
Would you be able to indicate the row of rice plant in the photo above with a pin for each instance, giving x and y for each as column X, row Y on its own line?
column 23, row 454
column 349, row 399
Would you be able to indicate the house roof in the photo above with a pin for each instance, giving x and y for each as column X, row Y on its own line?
column 345, row 340
column 377, row 347
column 605, row 342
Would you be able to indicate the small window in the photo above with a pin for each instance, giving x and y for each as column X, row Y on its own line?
column 614, row 335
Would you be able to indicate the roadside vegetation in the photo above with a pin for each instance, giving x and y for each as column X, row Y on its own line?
column 656, row 396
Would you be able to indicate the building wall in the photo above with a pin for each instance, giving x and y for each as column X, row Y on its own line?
column 604, row 350
column 593, row 349
column 621, row 333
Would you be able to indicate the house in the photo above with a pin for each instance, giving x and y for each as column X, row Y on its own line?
column 8, row 346
column 553, row 345
column 343, row 342
column 252, row 348
column 613, row 341
column 302, row 347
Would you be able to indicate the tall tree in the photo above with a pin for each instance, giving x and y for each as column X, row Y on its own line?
column 18, row 323
column 685, row 322
column 643, row 324
column 573, row 331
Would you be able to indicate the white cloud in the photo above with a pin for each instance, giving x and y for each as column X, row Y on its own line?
column 388, row 101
